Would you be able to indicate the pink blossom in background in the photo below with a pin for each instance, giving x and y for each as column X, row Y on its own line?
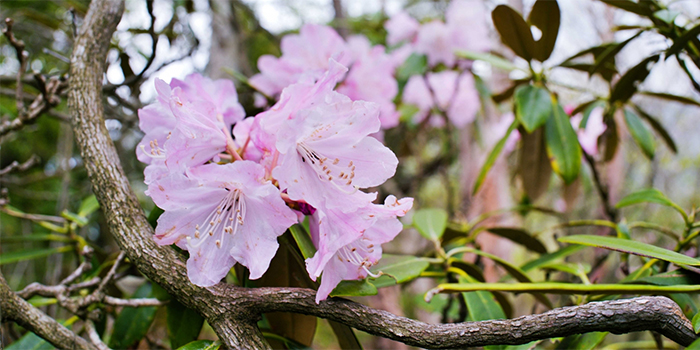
column 451, row 92
column 221, row 214
column 304, row 56
column 417, row 93
column 435, row 41
column 401, row 27
column 499, row 130
column 466, row 102
column 595, row 126
column 468, row 29
column 371, row 78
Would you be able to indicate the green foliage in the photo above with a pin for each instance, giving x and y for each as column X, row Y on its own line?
column 132, row 324
column 533, row 105
column 431, row 223
column 562, row 145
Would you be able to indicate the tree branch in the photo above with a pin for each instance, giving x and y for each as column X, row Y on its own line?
column 232, row 311
column 24, row 314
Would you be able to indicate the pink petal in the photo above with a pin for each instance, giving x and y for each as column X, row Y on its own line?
column 400, row 27
column 443, row 85
column 466, row 102
column 434, row 40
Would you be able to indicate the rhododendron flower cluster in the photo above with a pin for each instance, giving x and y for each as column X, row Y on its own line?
column 305, row 58
column 229, row 185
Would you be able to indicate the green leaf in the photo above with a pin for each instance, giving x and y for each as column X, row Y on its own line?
column 402, row 268
column 346, row 337
column 22, row 255
column 671, row 278
column 303, row 241
column 606, row 69
column 184, row 324
column 88, row 206
column 470, row 269
column 416, row 64
column 514, row 32
column 545, row 15
column 534, row 167
column 201, row 345
column 627, row 85
column 80, row 220
column 630, row 6
column 656, row 125
column 30, row 341
column 491, row 59
column 561, row 288
column 640, row 133
column 666, row 15
column 606, row 59
column 354, row 289
column 533, row 105
column 546, row 259
column 407, row 111
column 631, row 247
column 588, row 341
column 132, row 323
column 587, row 112
column 680, row 43
column 430, row 223
column 520, row 236
column 481, row 305
column 562, row 145
column 696, row 323
column 37, row 237
column 671, row 97
column 491, row 159
column 650, row 195
column 154, row 215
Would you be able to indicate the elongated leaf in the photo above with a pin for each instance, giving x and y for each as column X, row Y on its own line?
column 184, row 324
column 671, row 97
column 548, row 258
column 430, row 223
column 587, row 341
column 631, row 247
column 88, row 206
column 587, row 110
column 346, row 337
column 696, row 323
column 303, row 240
column 532, row 106
column 12, row 257
column 656, row 125
column 630, row 6
column 520, row 236
column 671, row 278
column 534, row 167
column 514, row 32
column 680, row 43
column 491, row 59
column 584, row 107
column 493, row 156
column 354, row 289
column 481, row 305
column 30, row 341
column 562, row 145
column 609, row 141
column 561, row 288
column 37, row 237
column 416, row 64
column 545, row 15
column 650, row 195
column 201, row 345
column 627, row 85
column 607, row 57
column 80, row 220
column 514, row 272
column 640, row 133
column 287, row 269
column 607, row 70
column 470, row 269
column 132, row 323
column 403, row 268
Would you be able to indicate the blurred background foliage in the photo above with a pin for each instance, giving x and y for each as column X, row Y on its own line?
column 48, row 213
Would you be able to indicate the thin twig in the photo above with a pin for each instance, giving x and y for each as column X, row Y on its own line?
column 94, row 336
column 22, row 57
column 602, row 189
column 16, row 167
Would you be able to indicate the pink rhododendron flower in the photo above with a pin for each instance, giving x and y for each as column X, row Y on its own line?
column 451, row 92
column 466, row 102
column 401, row 27
column 435, row 41
column 304, row 56
column 595, row 126
column 417, row 92
column 221, row 214
column 372, row 226
column 371, row 78
column 326, row 151
column 473, row 37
